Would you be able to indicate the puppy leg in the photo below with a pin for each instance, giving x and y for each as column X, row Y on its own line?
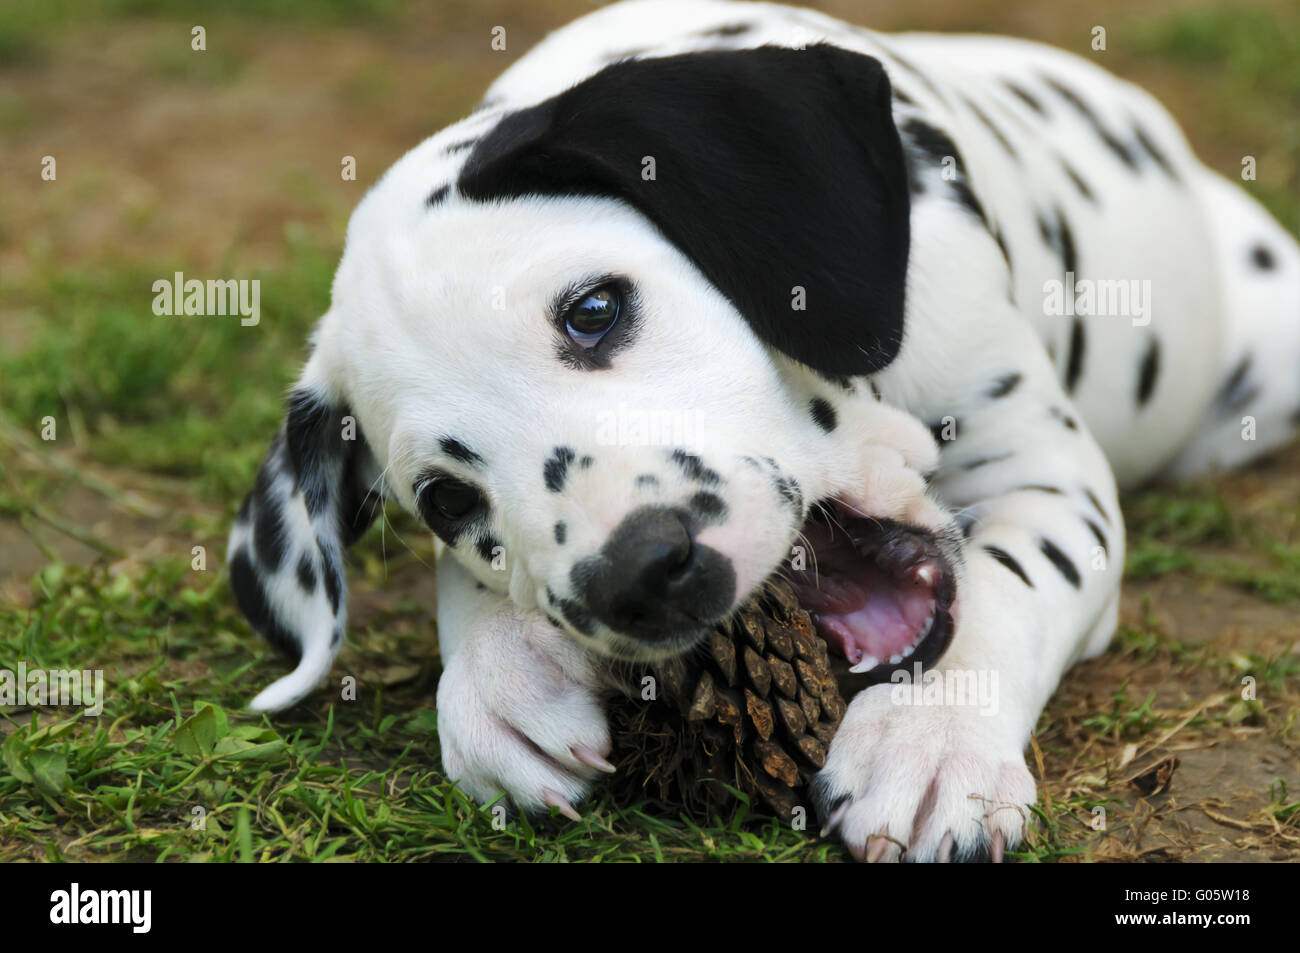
column 518, row 704
column 941, row 775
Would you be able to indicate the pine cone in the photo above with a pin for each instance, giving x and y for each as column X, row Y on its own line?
column 754, row 707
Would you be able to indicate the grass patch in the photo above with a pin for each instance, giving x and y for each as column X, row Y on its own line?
column 188, row 396
column 167, row 773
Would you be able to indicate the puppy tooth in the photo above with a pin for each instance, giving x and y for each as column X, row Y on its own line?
column 996, row 848
column 867, row 663
column 907, row 652
column 895, row 659
column 592, row 757
column 946, row 847
column 553, row 799
column 924, row 575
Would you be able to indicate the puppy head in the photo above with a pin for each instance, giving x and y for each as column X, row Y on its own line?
column 577, row 340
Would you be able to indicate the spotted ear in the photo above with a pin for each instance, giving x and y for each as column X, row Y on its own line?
column 315, row 495
column 778, row 172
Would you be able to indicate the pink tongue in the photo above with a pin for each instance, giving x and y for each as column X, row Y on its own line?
column 878, row 628
column 882, row 620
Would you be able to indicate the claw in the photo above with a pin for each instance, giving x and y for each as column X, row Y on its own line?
column 995, row 850
column 945, row 849
column 875, row 851
column 593, row 758
column 553, row 799
column 835, row 817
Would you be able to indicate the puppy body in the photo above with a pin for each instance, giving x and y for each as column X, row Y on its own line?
column 984, row 175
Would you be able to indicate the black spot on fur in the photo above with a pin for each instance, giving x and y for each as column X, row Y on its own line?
column 1062, row 563
column 1005, row 385
column 1148, row 372
column 903, row 98
column 437, row 197
column 1121, row 151
column 576, row 615
column 485, row 544
column 458, row 451
column 919, row 75
column 1042, row 488
column 1154, row 152
column 937, row 429
column 1262, row 258
column 556, row 469
column 1079, row 181
column 1069, row 422
column 313, row 433
column 561, row 532
column 1092, row 498
column 823, row 413
column 1237, row 390
column 1057, row 235
column 306, row 574
column 1101, row 537
column 333, row 585
column 253, row 603
column 586, row 462
column 727, row 29
column 709, row 506
column 1002, row 247
column 268, row 532
column 788, row 489
column 985, row 461
column 992, row 127
column 875, row 391
column 1007, row 560
column 461, row 146
column 647, row 479
column 932, row 146
column 694, row 469
column 1026, row 97
column 1074, row 356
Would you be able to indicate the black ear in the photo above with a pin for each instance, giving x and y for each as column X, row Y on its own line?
column 773, row 170
column 315, row 495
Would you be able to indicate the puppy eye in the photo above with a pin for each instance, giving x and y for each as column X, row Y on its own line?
column 453, row 499
column 590, row 317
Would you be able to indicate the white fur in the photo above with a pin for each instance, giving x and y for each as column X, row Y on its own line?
column 435, row 328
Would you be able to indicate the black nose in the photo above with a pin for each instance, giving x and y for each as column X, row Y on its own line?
column 652, row 580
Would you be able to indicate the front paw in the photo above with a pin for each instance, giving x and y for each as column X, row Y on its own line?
column 923, row 783
column 519, row 712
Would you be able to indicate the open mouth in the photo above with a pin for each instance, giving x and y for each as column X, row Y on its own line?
column 879, row 592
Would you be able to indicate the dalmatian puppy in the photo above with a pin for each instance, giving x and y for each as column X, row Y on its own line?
column 832, row 253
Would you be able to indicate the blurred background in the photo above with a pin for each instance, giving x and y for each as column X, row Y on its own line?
column 225, row 163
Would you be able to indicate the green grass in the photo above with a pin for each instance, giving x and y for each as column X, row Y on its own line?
column 28, row 28
column 158, row 778
column 189, row 396
column 1254, row 57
